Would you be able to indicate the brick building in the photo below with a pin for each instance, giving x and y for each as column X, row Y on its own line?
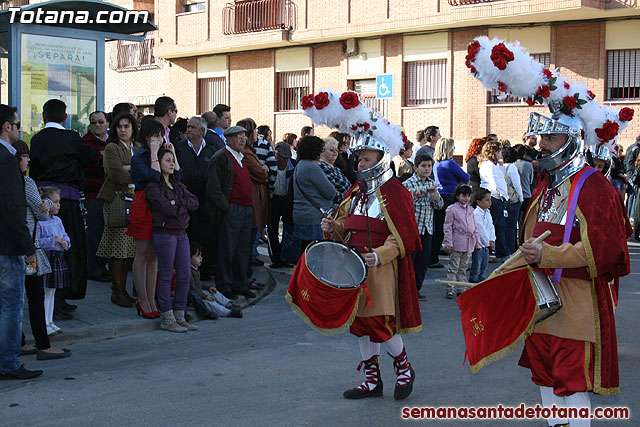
column 261, row 56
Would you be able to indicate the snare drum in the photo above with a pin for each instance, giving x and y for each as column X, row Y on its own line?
column 335, row 264
column 548, row 300
column 326, row 286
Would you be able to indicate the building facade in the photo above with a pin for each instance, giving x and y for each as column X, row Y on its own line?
column 261, row 56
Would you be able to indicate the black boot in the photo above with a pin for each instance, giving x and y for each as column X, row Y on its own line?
column 59, row 313
column 372, row 385
column 403, row 368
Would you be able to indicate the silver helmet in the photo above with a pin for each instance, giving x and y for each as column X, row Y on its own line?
column 379, row 173
column 569, row 159
column 602, row 152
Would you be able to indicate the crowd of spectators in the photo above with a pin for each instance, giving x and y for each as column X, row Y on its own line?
column 184, row 202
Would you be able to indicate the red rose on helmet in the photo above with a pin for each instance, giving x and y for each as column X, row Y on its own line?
column 349, row 100
column 544, row 91
column 608, row 131
column 366, row 126
column 626, row 114
column 307, row 101
column 591, row 94
column 547, row 73
column 502, row 87
column 500, row 55
column 530, row 102
column 570, row 102
column 321, row 100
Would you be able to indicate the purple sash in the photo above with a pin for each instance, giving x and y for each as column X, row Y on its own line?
column 571, row 213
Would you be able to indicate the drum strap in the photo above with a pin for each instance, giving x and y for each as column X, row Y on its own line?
column 571, row 210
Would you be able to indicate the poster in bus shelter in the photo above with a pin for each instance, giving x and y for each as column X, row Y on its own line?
column 61, row 68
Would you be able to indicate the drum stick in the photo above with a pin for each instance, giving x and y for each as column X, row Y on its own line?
column 518, row 254
column 452, row 282
column 327, row 216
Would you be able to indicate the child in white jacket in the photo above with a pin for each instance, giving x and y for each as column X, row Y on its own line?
column 486, row 232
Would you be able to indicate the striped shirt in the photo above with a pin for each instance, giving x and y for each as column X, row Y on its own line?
column 265, row 154
column 422, row 202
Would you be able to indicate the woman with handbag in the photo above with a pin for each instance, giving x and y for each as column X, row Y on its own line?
column 116, row 245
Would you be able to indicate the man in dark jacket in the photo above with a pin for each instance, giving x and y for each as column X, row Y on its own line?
column 58, row 157
column 229, row 203
column 16, row 242
column 95, row 138
column 210, row 136
column 194, row 155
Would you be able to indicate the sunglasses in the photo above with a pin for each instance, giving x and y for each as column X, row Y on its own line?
column 16, row 124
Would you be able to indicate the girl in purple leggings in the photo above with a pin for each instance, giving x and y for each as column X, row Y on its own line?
column 170, row 203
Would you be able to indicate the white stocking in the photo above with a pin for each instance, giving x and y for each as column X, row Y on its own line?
column 579, row 400
column 368, row 349
column 395, row 345
column 48, row 304
column 549, row 398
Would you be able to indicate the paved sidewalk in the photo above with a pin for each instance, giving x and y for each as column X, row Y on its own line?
column 97, row 318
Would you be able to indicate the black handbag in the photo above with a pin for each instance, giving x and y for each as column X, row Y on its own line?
column 119, row 211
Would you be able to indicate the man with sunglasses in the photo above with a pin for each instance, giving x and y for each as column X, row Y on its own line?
column 17, row 243
column 95, row 138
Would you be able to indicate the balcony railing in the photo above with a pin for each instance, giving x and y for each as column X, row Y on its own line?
column 130, row 55
column 249, row 16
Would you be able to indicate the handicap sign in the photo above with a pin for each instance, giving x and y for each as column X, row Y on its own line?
column 384, row 86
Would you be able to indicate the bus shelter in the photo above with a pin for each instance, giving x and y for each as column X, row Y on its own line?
column 61, row 55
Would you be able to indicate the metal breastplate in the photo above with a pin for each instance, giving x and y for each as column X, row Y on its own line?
column 373, row 209
column 554, row 204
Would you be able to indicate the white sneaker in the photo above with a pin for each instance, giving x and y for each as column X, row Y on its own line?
column 56, row 328
column 50, row 330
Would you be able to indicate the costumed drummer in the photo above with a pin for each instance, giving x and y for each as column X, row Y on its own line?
column 574, row 351
column 377, row 216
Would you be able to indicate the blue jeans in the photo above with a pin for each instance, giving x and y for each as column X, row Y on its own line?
column 499, row 223
column 479, row 263
column 11, row 304
column 511, row 226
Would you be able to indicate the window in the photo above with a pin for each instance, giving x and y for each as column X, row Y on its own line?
column 623, row 74
column 193, row 6
column 426, row 82
column 212, row 92
column 543, row 58
column 292, row 86
column 133, row 55
column 367, row 91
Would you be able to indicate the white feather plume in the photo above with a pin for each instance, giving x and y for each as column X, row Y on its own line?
column 525, row 77
column 359, row 119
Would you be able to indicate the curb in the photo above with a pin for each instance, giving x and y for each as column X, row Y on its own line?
column 136, row 326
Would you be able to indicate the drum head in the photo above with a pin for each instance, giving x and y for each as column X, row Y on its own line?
column 336, row 265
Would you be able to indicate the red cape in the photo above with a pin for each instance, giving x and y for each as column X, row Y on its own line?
column 400, row 216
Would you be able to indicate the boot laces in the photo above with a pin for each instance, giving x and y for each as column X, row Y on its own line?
column 371, row 375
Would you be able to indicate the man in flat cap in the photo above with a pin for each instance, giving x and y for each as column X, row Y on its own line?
column 229, row 204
